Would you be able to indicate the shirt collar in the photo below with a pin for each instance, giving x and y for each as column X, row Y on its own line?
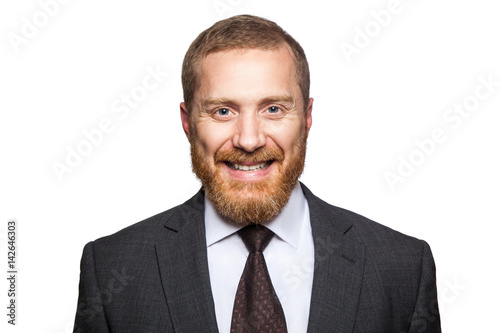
column 287, row 225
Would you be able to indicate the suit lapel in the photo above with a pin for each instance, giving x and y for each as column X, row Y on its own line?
column 338, row 269
column 182, row 260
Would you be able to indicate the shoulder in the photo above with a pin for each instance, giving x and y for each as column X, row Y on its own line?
column 151, row 230
column 375, row 237
column 393, row 263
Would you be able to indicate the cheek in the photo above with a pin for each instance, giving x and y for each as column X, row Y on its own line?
column 287, row 136
column 211, row 138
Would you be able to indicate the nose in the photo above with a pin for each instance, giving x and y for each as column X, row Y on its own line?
column 249, row 135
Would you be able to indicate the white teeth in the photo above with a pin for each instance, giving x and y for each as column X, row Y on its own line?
column 250, row 167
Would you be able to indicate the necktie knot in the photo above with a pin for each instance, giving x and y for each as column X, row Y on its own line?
column 255, row 237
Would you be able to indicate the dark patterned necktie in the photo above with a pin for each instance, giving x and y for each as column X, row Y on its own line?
column 256, row 306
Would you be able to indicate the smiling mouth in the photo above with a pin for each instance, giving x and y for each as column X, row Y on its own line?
column 249, row 168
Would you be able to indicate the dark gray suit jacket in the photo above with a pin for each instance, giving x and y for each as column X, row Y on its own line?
column 153, row 276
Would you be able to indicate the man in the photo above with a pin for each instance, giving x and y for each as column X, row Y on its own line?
column 313, row 267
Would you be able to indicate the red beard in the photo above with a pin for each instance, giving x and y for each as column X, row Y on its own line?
column 249, row 202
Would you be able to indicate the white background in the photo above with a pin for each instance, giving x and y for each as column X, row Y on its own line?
column 368, row 113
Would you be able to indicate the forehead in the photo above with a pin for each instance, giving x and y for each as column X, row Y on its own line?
column 245, row 71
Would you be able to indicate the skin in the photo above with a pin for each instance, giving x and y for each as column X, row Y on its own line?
column 247, row 99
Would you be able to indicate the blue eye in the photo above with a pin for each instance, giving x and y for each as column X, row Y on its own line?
column 273, row 109
column 223, row 112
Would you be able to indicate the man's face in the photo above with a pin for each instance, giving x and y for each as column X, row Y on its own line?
column 248, row 129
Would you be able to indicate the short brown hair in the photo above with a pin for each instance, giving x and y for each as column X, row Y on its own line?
column 241, row 32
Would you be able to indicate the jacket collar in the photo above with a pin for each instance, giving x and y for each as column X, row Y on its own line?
column 182, row 261
column 338, row 268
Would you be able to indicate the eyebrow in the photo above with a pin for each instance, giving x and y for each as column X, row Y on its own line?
column 267, row 100
column 216, row 101
column 279, row 99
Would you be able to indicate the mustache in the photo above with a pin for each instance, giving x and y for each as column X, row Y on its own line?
column 236, row 155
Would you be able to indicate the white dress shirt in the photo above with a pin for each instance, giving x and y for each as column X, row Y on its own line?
column 289, row 258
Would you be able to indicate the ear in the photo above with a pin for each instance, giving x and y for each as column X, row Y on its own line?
column 185, row 119
column 309, row 114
